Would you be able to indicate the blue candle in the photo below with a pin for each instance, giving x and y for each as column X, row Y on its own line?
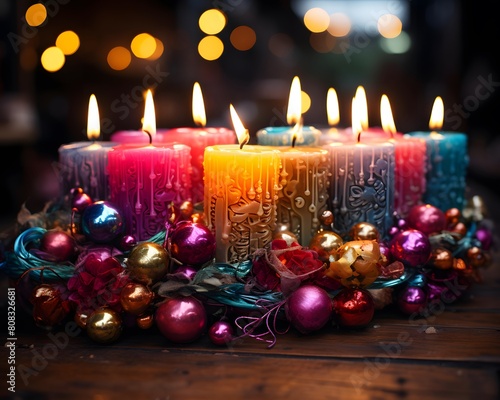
column 283, row 136
column 447, row 162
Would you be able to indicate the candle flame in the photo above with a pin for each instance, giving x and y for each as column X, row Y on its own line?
column 294, row 111
column 386, row 116
column 241, row 131
column 437, row 114
column 93, row 125
column 198, row 106
column 332, row 107
column 356, row 119
column 362, row 107
column 149, row 121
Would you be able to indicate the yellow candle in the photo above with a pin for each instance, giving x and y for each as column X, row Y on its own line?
column 241, row 193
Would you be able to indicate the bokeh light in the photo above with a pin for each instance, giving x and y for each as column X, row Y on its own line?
column 68, row 42
column 210, row 48
column 143, row 45
column 158, row 51
column 119, row 58
column 316, row 20
column 340, row 25
column 53, row 59
column 243, row 38
column 212, row 21
column 389, row 26
column 306, row 102
column 398, row 45
column 36, row 14
column 322, row 42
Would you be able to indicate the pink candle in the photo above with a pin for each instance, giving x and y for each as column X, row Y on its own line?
column 146, row 179
column 198, row 139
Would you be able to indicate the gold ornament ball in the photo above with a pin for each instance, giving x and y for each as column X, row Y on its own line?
column 442, row 258
column 135, row 298
column 147, row 263
column 326, row 244
column 364, row 231
column 198, row 218
column 453, row 216
column 284, row 234
column 186, row 209
column 104, row 326
column 476, row 257
column 460, row 229
column 81, row 319
column 326, row 218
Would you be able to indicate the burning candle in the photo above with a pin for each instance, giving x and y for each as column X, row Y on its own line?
column 333, row 134
column 362, row 181
column 84, row 164
column 241, row 185
column 146, row 179
column 282, row 135
column 447, row 161
column 198, row 139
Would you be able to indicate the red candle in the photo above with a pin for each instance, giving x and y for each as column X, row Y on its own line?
column 198, row 139
column 146, row 179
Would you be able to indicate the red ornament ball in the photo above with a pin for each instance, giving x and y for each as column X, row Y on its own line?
column 58, row 246
column 221, row 333
column 181, row 319
column 426, row 218
column 412, row 247
column 353, row 308
column 309, row 308
column 192, row 243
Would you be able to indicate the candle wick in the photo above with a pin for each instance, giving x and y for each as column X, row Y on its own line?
column 359, row 137
column 294, row 139
column 149, row 135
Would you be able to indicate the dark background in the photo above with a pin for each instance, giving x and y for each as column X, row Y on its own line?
column 453, row 52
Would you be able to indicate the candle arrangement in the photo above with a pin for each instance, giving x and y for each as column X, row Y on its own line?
column 310, row 236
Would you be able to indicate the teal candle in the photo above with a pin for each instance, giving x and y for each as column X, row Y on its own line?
column 283, row 136
column 447, row 162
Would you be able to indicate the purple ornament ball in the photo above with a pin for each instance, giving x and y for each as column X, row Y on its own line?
column 80, row 201
column 309, row 308
column 181, row 319
column 485, row 237
column 57, row 246
column 185, row 272
column 127, row 243
column 192, row 243
column 221, row 333
column 411, row 247
column 426, row 218
column 411, row 299
column 102, row 222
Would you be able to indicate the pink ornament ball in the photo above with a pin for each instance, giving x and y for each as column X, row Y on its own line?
column 426, row 218
column 485, row 237
column 412, row 247
column 57, row 246
column 192, row 243
column 221, row 333
column 181, row 319
column 411, row 300
column 309, row 308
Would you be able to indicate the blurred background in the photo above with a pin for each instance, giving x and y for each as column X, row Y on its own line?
column 54, row 54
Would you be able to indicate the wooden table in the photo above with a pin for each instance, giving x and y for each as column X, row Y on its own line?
column 460, row 360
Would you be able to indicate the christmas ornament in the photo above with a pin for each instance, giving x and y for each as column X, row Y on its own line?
column 198, row 218
column 221, row 333
column 308, row 308
column 80, row 200
column 145, row 321
column 81, row 318
column 136, row 298
column 104, row 326
column 102, row 222
column 441, row 258
column 364, row 231
column 353, row 308
column 147, row 263
column 191, row 243
column 485, row 237
column 326, row 244
column 186, row 209
column 411, row 299
column 49, row 309
column 326, row 218
column 284, row 234
column 453, row 216
column 356, row 264
column 127, row 243
column 411, row 247
column 476, row 257
column 181, row 319
column 185, row 273
column 426, row 218
column 446, row 286
column 57, row 246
